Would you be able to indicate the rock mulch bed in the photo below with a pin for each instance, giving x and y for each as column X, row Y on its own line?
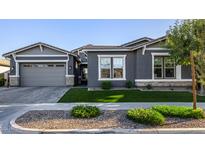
column 59, row 119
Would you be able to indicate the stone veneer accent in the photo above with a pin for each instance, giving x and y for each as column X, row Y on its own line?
column 155, row 83
column 14, row 81
column 69, row 80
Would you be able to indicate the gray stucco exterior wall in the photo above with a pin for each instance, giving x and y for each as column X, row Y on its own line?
column 93, row 68
column 186, row 72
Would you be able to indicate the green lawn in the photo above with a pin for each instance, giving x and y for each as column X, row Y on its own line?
column 83, row 95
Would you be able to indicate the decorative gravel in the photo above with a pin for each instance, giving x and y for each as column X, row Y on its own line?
column 59, row 119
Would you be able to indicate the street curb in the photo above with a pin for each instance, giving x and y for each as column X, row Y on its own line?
column 23, row 130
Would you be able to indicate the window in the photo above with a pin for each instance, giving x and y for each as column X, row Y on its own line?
column 59, row 65
column 112, row 67
column 118, row 67
column 164, row 67
column 105, row 65
column 27, row 65
column 158, row 67
column 39, row 65
column 50, row 65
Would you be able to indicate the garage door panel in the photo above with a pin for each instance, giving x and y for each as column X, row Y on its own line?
column 42, row 75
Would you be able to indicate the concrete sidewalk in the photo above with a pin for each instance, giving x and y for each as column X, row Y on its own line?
column 104, row 106
column 5, row 121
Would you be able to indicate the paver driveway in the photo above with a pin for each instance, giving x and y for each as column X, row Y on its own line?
column 30, row 95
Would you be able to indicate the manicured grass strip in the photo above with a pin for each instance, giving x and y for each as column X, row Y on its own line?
column 179, row 111
column 83, row 95
column 146, row 116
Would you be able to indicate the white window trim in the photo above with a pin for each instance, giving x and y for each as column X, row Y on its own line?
column 112, row 79
column 177, row 69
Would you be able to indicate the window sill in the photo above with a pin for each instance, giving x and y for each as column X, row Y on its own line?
column 121, row 79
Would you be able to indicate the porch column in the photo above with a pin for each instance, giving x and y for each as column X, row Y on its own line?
column 179, row 72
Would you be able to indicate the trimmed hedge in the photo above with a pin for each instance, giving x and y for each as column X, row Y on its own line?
column 179, row 111
column 146, row 116
column 85, row 111
column 129, row 84
column 106, row 85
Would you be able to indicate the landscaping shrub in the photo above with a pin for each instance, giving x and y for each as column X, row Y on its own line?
column 106, row 85
column 146, row 116
column 129, row 84
column 179, row 111
column 85, row 111
column 149, row 86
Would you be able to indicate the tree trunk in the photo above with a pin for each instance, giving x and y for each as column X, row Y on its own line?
column 193, row 80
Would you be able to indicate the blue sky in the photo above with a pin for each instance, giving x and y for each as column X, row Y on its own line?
column 70, row 34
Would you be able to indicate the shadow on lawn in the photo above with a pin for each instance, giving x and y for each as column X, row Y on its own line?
column 112, row 98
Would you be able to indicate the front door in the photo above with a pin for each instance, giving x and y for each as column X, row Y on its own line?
column 84, row 76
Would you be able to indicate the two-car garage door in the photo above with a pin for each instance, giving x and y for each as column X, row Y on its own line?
column 41, row 74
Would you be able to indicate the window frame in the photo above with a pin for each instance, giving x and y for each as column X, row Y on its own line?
column 163, row 55
column 111, row 67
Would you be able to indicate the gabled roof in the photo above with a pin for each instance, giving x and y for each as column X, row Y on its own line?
column 150, row 43
column 122, row 48
column 80, row 48
column 35, row 45
column 137, row 41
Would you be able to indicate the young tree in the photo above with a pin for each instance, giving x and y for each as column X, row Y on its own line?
column 185, row 41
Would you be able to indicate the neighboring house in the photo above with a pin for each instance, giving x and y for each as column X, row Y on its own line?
column 143, row 61
column 4, row 69
column 41, row 64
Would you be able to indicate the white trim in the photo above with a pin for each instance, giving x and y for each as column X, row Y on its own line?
column 163, row 80
column 66, row 68
column 152, row 49
column 112, row 56
column 115, row 56
column 143, row 50
column 160, row 54
column 30, row 61
column 112, row 79
column 69, row 75
column 14, row 76
column 41, row 48
column 41, row 55
column 87, row 50
column 157, row 49
column 17, row 69
column 178, row 72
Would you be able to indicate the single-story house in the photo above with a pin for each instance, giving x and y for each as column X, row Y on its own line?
column 144, row 61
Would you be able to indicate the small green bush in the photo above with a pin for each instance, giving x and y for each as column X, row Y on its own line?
column 146, row 116
column 129, row 84
column 85, row 111
column 149, row 86
column 179, row 111
column 106, row 85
